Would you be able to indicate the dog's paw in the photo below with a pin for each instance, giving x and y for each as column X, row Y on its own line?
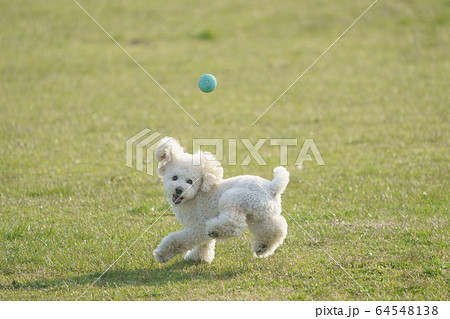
column 213, row 234
column 261, row 249
column 161, row 258
column 194, row 257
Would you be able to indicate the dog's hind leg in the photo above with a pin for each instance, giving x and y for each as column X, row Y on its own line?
column 269, row 234
column 202, row 253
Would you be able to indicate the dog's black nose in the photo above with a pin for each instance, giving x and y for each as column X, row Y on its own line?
column 178, row 190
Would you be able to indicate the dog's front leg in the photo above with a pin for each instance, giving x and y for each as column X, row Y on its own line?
column 180, row 242
column 227, row 224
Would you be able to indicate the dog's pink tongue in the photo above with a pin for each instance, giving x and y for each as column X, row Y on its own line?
column 176, row 199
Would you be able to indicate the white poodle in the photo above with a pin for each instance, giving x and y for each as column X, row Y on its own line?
column 211, row 208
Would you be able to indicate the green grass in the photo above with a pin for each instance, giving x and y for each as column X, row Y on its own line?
column 376, row 105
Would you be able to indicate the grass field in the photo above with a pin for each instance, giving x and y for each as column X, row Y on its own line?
column 376, row 105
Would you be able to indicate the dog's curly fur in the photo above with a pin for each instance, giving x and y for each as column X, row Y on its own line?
column 211, row 208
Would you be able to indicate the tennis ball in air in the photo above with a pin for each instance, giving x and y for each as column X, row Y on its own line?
column 207, row 83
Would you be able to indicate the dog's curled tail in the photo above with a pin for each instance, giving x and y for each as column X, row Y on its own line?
column 280, row 181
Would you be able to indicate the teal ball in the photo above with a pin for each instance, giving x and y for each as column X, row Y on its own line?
column 207, row 83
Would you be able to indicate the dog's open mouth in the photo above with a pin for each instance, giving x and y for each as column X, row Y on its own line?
column 176, row 199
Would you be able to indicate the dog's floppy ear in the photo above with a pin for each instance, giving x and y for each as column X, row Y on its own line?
column 212, row 172
column 168, row 149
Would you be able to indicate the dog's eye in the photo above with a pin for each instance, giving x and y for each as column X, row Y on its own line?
column 189, row 181
column 175, row 178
